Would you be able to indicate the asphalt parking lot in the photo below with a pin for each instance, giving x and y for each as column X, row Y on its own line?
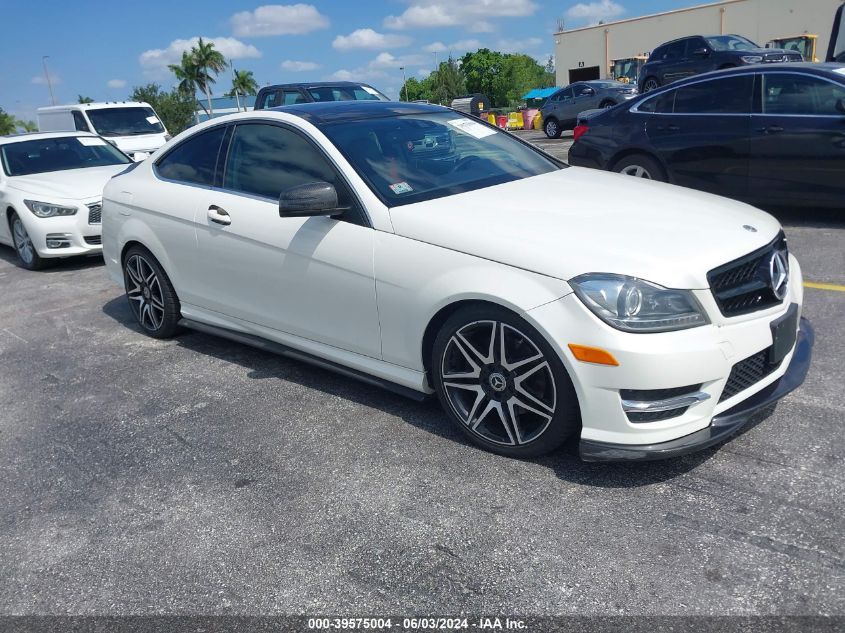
column 200, row 476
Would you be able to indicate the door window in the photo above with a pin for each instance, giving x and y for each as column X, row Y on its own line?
column 79, row 122
column 785, row 93
column 582, row 90
column 194, row 160
column 730, row 95
column 265, row 160
column 565, row 94
column 675, row 50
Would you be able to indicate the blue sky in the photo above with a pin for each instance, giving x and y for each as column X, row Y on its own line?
column 103, row 48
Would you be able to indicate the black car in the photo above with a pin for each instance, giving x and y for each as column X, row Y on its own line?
column 767, row 134
column 290, row 94
column 698, row 54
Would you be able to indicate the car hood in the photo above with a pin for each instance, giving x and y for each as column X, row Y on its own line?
column 74, row 184
column 575, row 221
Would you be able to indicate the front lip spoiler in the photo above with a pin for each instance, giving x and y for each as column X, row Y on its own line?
column 722, row 426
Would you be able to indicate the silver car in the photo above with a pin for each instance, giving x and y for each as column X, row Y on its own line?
column 561, row 110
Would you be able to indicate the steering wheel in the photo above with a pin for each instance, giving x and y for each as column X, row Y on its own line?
column 464, row 162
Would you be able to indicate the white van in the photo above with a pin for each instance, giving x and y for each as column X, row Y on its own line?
column 132, row 126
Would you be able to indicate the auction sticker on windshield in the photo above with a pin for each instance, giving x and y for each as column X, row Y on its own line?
column 90, row 141
column 401, row 187
column 470, row 127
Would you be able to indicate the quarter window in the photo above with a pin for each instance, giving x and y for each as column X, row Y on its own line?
column 265, row 160
column 660, row 104
column 194, row 160
column 785, row 93
column 731, row 95
column 79, row 122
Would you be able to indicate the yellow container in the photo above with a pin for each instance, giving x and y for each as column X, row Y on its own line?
column 515, row 121
column 537, row 123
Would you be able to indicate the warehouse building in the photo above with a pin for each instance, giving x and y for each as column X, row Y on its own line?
column 589, row 52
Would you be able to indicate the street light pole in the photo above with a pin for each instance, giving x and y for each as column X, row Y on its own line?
column 47, row 76
column 404, row 82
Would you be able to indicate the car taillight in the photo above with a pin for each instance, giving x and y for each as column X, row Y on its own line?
column 579, row 131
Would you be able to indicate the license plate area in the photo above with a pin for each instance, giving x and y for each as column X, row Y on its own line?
column 784, row 333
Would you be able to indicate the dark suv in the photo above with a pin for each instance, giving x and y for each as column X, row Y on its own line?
column 290, row 94
column 701, row 54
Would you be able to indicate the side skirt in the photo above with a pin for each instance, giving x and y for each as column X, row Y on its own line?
column 283, row 350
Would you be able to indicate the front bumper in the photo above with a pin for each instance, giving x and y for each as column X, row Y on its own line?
column 79, row 236
column 723, row 425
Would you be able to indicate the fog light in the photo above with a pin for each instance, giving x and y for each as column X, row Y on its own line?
column 58, row 240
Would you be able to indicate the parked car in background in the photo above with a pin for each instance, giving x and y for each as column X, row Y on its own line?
column 699, row 54
column 561, row 110
column 133, row 127
column 291, row 94
column 51, row 189
column 772, row 135
column 482, row 270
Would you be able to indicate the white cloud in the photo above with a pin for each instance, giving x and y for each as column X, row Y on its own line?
column 368, row 38
column 594, row 12
column 460, row 45
column 116, row 83
column 278, row 19
column 298, row 66
column 388, row 61
column 518, row 46
column 41, row 80
column 474, row 14
column 159, row 58
column 343, row 75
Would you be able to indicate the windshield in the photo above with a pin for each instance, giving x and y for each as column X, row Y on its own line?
column 411, row 158
column 58, row 154
column 346, row 93
column 125, row 121
column 731, row 43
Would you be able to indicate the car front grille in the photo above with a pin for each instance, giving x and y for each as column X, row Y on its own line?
column 95, row 213
column 747, row 373
column 94, row 240
column 745, row 285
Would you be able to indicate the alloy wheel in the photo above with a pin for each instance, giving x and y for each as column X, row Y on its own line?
column 638, row 171
column 23, row 243
column 143, row 289
column 650, row 85
column 498, row 383
column 551, row 129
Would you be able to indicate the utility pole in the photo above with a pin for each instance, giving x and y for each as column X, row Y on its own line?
column 234, row 86
column 404, row 82
column 47, row 77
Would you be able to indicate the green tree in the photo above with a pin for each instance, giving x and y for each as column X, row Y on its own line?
column 85, row 99
column 187, row 73
column 482, row 70
column 175, row 108
column 8, row 123
column 209, row 62
column 243, row 83
column 520, row 73
column 504, row 78
column 416, row 89
column 27, row 126
column 447, row 82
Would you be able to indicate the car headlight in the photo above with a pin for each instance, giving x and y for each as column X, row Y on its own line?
column 752, row 59
column 634, row 305
column 48, row 210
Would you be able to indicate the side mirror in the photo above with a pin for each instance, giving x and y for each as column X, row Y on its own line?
column 701, row 52
column 588, row 92
column 310, row 199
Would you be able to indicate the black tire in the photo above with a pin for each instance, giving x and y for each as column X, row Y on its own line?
column 607, row 103
column 552, row 128
column 650, row 83
column 28, row 257
column 529, row 387
column 631, row 164
column 150, row 294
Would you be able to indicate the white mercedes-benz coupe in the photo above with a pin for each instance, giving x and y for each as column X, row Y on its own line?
column 51, row 189
column 425, row 251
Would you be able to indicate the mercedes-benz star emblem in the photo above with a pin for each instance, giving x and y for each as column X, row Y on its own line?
column 498, row 382
column 779, row 273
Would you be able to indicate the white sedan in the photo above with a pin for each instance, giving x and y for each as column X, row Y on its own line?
column 51, row 188
column 422, row 250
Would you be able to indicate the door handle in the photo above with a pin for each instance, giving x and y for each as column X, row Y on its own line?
column 218, row 215
column 771, row 129
column 670, row 128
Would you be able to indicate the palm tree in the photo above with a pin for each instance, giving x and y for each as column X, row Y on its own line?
column 208, row 61
column 243, row 83
column 187, row 73
column 27, row 126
